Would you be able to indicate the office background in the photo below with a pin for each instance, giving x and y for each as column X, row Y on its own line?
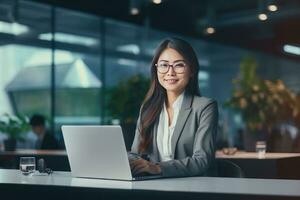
column 65, row 60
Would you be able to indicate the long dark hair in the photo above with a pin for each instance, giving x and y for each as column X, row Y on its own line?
column 156, row 95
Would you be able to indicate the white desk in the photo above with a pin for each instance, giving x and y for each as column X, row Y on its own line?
column 253, row 155
column 274, row 166
column 235, row 188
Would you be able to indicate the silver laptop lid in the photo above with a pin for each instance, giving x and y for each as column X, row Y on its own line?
column 97, row 152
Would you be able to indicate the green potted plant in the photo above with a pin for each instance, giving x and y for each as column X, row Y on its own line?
column 13, row 127
column 263, row 104
column 124, row 101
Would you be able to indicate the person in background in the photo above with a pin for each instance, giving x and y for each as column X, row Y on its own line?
column 45, row 139
column 177, row 128
column 28, row 142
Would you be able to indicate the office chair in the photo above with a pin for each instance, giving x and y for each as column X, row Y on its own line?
column 227, row 168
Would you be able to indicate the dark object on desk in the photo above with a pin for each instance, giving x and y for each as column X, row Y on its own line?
column 227, row 168
column 42, row 167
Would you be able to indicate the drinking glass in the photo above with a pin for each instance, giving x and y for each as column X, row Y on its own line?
column 261, row 147
column 27, row 165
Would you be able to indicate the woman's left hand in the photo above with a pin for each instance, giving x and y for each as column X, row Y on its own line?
column 140, row 165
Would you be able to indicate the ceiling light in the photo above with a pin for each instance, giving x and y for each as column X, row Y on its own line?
column 129, row 48
column 272, row 8
column 134, row 7
column 156, row 1
column 262, row 17
column 209, row 20
column 291, row 49
column 261, row 10
column 210, row 30
column 134, row 11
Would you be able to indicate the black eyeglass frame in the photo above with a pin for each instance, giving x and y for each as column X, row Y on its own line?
column 169, row 65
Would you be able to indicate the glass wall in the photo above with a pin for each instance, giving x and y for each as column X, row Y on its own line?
column 25, row 61
column 77, row 68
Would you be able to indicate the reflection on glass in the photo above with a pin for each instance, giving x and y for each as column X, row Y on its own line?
column 70, row 38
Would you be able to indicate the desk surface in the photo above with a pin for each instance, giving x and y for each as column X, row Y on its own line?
column 219, row 154
column 253, row 155
column 268, row 187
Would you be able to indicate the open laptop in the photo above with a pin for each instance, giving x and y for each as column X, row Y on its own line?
column 98, row 152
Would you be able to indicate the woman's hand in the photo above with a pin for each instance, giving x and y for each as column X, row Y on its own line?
column 140, row 165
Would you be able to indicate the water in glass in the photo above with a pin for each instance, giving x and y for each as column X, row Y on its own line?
column 27, row 165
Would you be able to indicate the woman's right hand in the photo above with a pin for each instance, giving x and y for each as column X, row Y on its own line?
column 140, row 166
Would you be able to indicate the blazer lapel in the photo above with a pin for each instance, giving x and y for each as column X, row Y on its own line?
column 182, row 117
column 154, row 156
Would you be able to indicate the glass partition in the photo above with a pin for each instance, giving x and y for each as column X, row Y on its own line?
column 77, row 61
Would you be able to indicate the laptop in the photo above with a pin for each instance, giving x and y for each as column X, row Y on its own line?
column 98, row 152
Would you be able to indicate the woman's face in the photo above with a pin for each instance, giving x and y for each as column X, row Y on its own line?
column 173, row 79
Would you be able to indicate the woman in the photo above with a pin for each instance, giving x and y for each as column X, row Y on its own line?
column 176, row 128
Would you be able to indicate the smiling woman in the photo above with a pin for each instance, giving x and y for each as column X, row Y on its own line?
column 177, row 127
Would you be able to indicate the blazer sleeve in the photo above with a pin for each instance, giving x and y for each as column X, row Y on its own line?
column 203, row 149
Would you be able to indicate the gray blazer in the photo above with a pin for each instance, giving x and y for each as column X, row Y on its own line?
column 193, row 141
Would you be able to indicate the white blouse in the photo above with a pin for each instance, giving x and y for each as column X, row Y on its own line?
column 165, row 132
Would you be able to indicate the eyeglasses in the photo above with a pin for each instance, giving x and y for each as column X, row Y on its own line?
column 164, row 66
